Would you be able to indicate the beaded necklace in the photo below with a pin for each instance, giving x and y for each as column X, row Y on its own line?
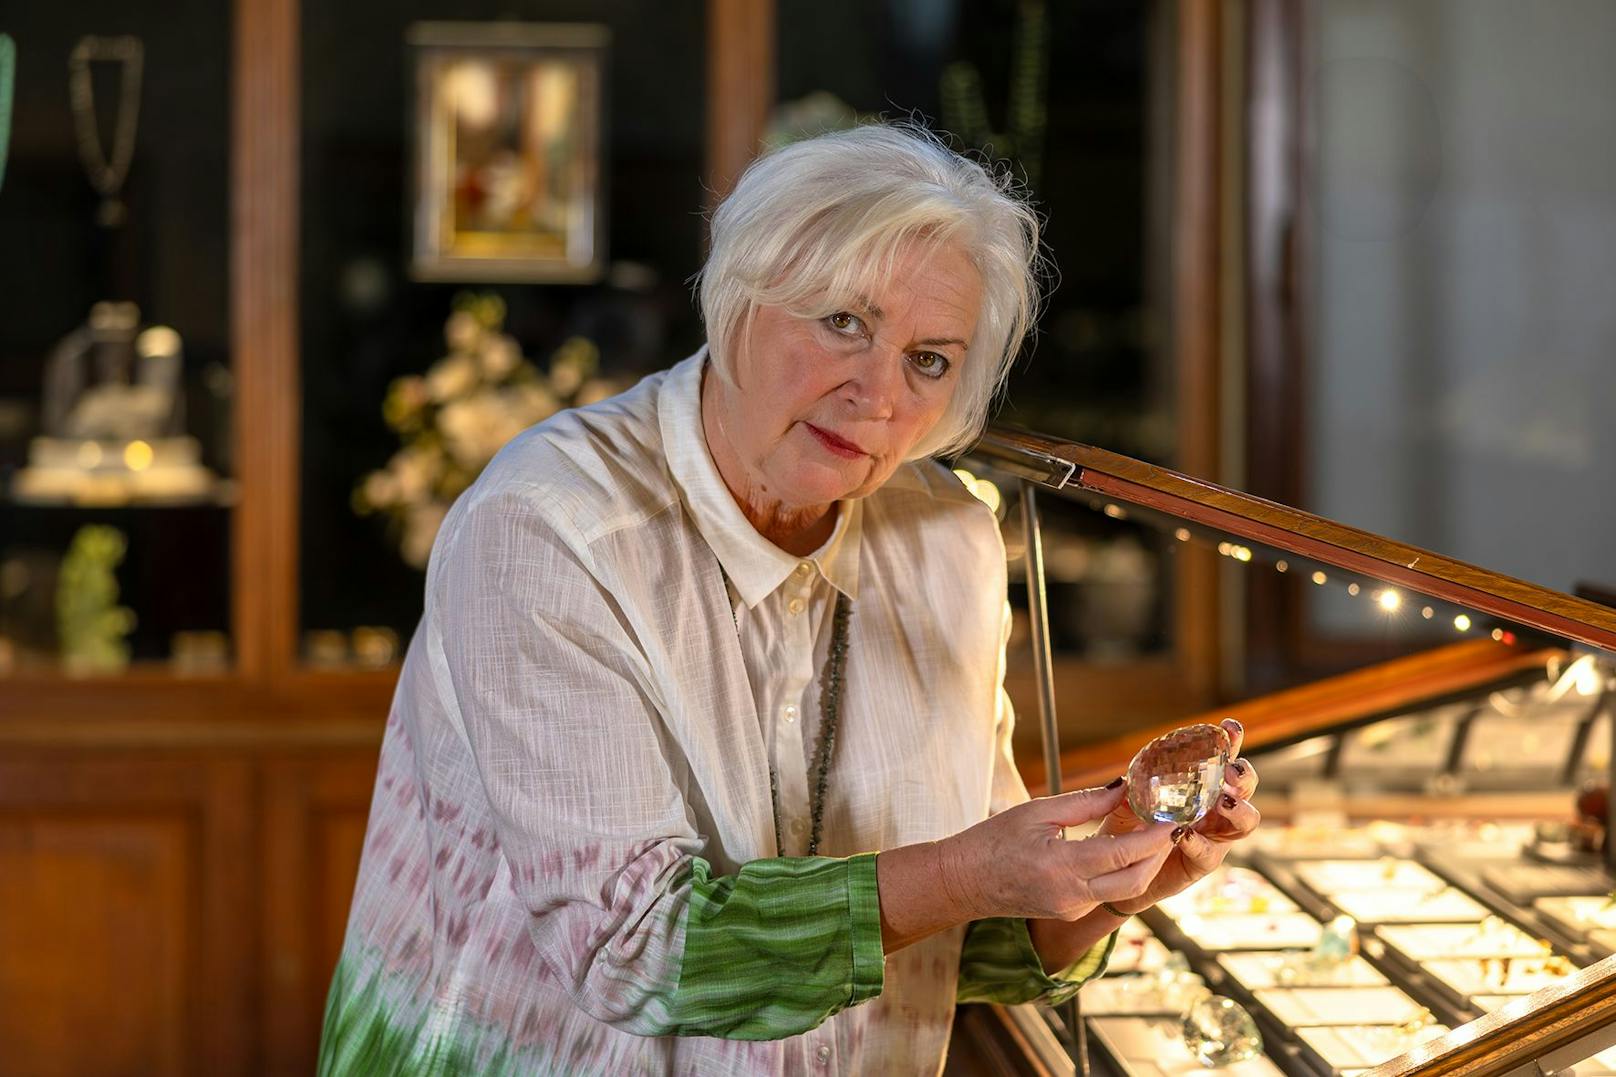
column 831, row 682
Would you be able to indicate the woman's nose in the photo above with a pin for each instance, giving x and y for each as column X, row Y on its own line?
column 874, row 389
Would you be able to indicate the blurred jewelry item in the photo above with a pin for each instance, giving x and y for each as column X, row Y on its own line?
column 374, row 646
column 8, row 82
column 1423, row 1019
column 1176, row 778
column 200, row 651
column 106, row 176
column 1338, row 942
column 325, row 648
column 1219, row 1032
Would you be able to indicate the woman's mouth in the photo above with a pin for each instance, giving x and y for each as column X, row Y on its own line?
column 837, row 445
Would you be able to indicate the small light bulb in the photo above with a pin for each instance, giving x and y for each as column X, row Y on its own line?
column 1498, row 633
column 1319, row 578
column 137, row 455
column 1427, row 613
column 1282, row 566
column 1242, row 554
column 1352, row 589
column 1116, row 512
column 1462, row 622
column 1224, row 548
column 1182, row 534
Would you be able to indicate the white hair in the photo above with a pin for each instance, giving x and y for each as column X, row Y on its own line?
column 815, row 224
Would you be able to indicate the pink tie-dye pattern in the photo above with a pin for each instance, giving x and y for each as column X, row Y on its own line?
column 561, row 947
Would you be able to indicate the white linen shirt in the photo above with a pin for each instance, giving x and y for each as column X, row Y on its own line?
column 584, row 708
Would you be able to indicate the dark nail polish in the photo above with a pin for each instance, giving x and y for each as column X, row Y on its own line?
column 1239, row 767
column 1178, row 833
column 1228, row 801
column 1115, row 783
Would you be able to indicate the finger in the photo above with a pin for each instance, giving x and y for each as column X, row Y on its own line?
column 1230, row 822
column 1081, row 806
column 1104, row 853
column 1200, row 854
column 1131, row 881
column 1240, row 778
column 1237, row 735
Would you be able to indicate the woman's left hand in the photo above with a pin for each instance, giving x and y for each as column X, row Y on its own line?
column 1203, row 846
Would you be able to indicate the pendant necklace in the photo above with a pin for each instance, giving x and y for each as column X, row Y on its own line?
column 831, row 683
column 106, row 176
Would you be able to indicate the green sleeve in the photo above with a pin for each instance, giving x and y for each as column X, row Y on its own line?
column 999, row 964
column 777, row 948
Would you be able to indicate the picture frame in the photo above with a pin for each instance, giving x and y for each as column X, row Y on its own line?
column 509, row 136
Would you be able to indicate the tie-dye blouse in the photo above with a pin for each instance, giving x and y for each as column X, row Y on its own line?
column 572, row 866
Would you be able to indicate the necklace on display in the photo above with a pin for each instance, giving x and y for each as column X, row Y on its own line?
column 106, row 176
column 831, row 683
column 8, row 78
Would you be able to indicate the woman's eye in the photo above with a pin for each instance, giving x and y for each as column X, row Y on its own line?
column 931, row 364
column 843, row 322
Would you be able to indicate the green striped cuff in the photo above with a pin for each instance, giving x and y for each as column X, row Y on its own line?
column 777, row 948
column 864, row 913
column 999, row 964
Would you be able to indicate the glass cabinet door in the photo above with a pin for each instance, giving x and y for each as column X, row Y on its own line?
column 115, row 358
column 500, row 215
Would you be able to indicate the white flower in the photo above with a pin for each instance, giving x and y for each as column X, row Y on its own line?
column 451, row 376
column 532, row 403
column 414, row 471
column 462, row 330
column 500, row 355
column 381, row 488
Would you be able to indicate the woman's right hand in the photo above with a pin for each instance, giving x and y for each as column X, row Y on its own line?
column 1019, row 863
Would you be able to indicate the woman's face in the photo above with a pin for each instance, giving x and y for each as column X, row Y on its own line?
column 827, row 408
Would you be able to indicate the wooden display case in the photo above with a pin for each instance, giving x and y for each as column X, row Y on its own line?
column 1432, row 799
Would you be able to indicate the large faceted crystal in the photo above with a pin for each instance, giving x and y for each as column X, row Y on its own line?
column 1176, row 778
column 1219, row 1032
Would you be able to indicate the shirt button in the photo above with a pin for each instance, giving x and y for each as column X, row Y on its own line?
column 804, row 568
column 795, row 605
column 823, row 1054
column 790, row 712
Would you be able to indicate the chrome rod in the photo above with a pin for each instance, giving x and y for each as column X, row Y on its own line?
column 1043, row 666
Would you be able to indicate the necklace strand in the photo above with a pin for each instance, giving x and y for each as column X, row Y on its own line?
column 106, row 176
column 831, row 681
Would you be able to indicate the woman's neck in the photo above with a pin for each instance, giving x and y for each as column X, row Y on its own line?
column 796, row 529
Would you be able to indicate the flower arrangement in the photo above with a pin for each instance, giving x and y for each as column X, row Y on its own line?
column 455, row 417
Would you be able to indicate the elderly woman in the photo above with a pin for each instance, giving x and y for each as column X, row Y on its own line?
column 700, row 757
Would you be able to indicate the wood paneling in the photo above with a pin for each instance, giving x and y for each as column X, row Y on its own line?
column 125, row 913
column 315, row 809
column 740, row 86
column 95, row 931
column 263, row 331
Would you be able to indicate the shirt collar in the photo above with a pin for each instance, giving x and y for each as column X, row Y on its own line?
column 756, row 566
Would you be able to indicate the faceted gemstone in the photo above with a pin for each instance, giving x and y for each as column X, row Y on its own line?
column 1176, row 778
column 1219, row 1032
column 1338, row 941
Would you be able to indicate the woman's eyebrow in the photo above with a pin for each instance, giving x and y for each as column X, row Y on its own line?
column 868, row 306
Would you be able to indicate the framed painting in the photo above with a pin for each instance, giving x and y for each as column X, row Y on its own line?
column 509, row 129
